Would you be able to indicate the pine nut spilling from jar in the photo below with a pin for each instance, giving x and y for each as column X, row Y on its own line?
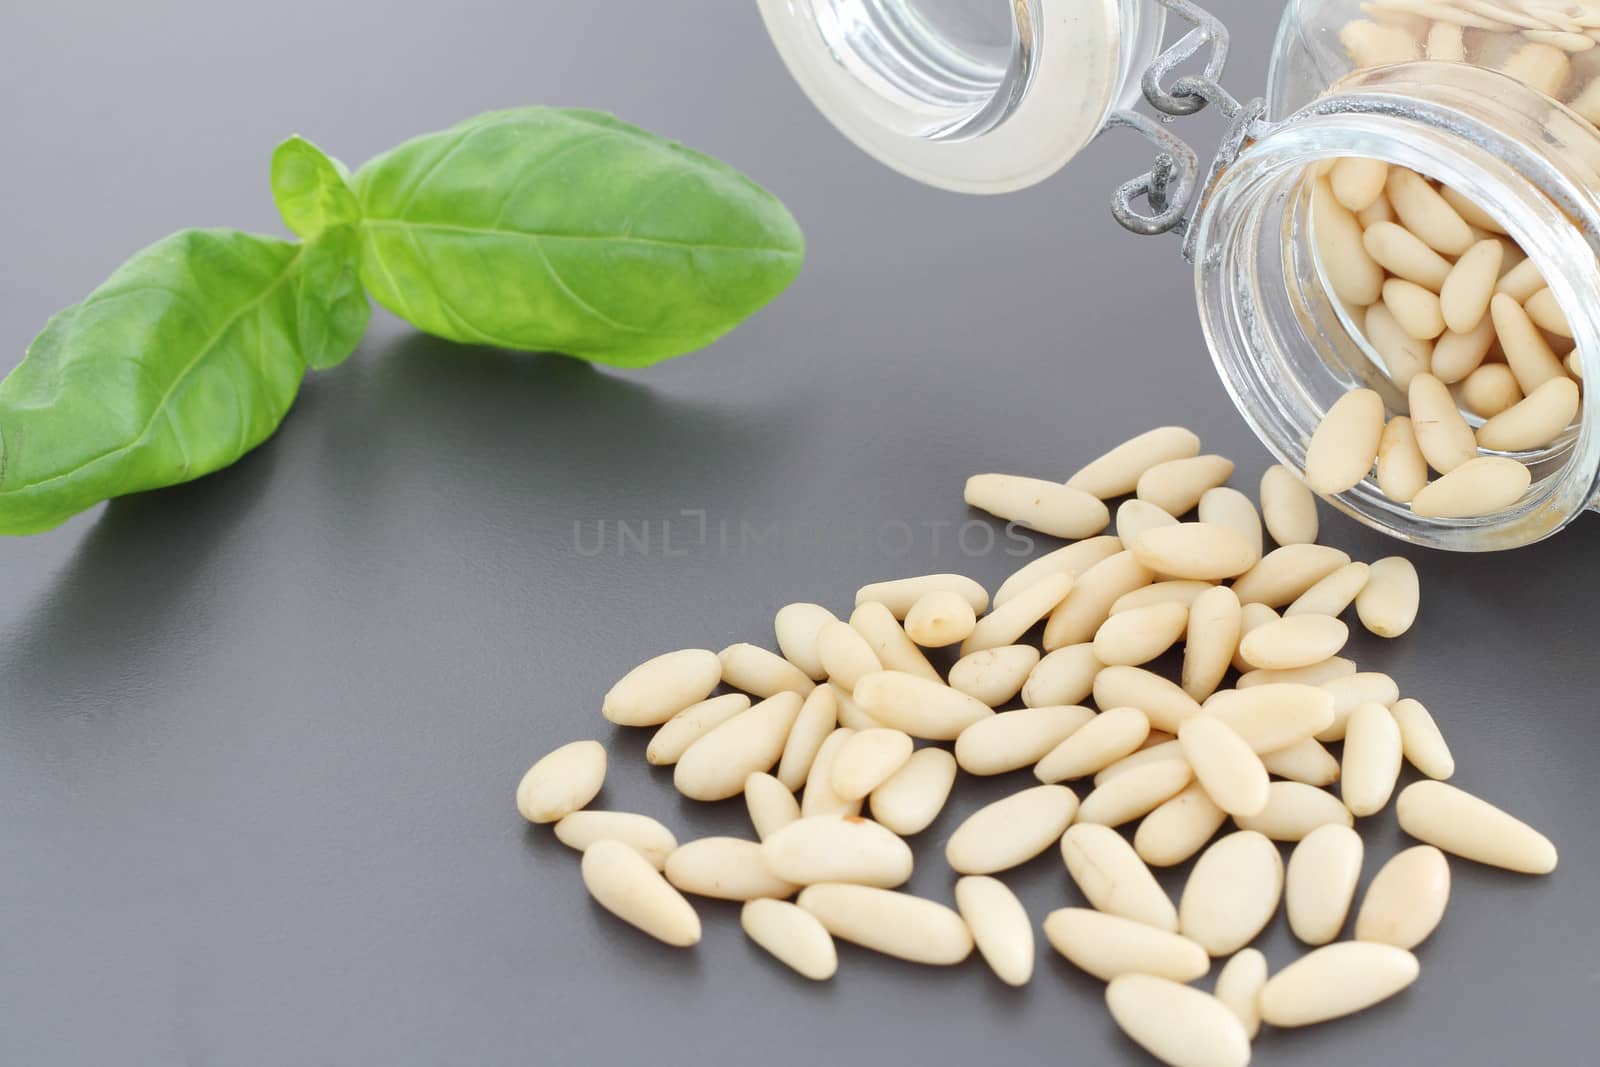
column 853, row 716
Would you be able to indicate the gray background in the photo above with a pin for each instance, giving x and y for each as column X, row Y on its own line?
column 259, row 734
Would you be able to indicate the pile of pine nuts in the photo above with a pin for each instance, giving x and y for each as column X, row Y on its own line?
column 1458, row 315
column 853, row 715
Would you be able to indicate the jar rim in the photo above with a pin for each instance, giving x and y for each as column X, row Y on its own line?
column 1446, row 121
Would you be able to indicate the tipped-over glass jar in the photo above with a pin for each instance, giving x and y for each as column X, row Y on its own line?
column 1452, row 266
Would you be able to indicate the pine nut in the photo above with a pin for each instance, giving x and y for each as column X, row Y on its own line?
column 562, row 782
column 1065, row 676
column 796, row 627
column 1157, row 746
column 1284, row 574
column 1404, row 254
column 818, row 797
column 838, row 848
column 1463, row 825
column 1402, row 468
column 792, row 936
column 1294, row 809
column 1006, row 625
column 1252, row 616
column 1481, row 486
column 1215, row 625
column 1332, row 595
column 1137, row 517
column 1179, row 1026
column 1238, row 985
column 1406, row 901
column 1350, row 692
column 1195, row 550
column 1427, row 214
column 1048, row 507
column 1114, row 879
column 910, row 801
column 1232, row 893
column 1294, row 641
column 658, row 689
column 1224, row 765
column 1423, row 744
column 1306, row 762
column 1416, row 309
column 899, row 595
column 760, row 673
column 715, row 767
column 770, row 803
column 1163, row 703
column 1288, row 507
column 917, row 706
column 940, row 619
column 867, row 760
column 1402, row 356
column 845, row 655
column 1335, row 981
column 1535, row 421
column 1354, row 275
column 1229, row 508
column 1012, row 830
column 1468, row 288
column 889, row 642
column 995, row 675
column 1177, row 485
column 1443, row 436
column 1117, row 472
column 1373, row 44
column 725, row 868
column 1457, row 355
column 1074, row 559
column 1140, row 635
column 1471, row 212
column 1388, row 605
column 1016, row 739
column 1273, row 716
column 1111, row 735
column 675, row 736
column 1521, row 282
column 1546, row 313
column 1178, row 828
column 625, row 884
column 1135, row 793
column 1182, row 591
column 1527, row 352
column 1109, row 946
column 1345, row 444
column 818, row 717
column 1358, row 181
column 641, row 833
column 1000, row 927
column 895, row 924
column 1321, row 882
column 1078, row 614
column 1489, row 390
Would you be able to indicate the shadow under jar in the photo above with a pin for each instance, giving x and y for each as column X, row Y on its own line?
column 1493, row 99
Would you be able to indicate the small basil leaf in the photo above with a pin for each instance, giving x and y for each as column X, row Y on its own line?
column 184, row 360
column 570, row 231
column 311, row 188
column 333, row 308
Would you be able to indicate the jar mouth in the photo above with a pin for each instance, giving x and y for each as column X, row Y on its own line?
column 980, row 97
column 1283, row 345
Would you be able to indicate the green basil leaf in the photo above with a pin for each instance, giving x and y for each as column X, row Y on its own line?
column 184, row 360
column 333, row 309
column 311, row 188
column 542, row 229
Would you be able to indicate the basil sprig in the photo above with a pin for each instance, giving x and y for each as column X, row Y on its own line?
column 535, row 230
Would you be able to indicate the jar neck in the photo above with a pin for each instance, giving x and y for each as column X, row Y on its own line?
column 1281, row 343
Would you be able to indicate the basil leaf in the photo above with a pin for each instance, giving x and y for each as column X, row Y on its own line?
column 542, row 229
column 332, row 307
column 311, row 188
column 184, row 360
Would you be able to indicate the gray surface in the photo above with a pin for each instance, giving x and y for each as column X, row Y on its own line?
column 258, row 735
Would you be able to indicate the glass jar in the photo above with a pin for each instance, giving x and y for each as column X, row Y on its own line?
column 1486, row 97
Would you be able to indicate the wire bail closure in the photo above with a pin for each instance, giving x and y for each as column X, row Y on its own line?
column 1171, row 188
